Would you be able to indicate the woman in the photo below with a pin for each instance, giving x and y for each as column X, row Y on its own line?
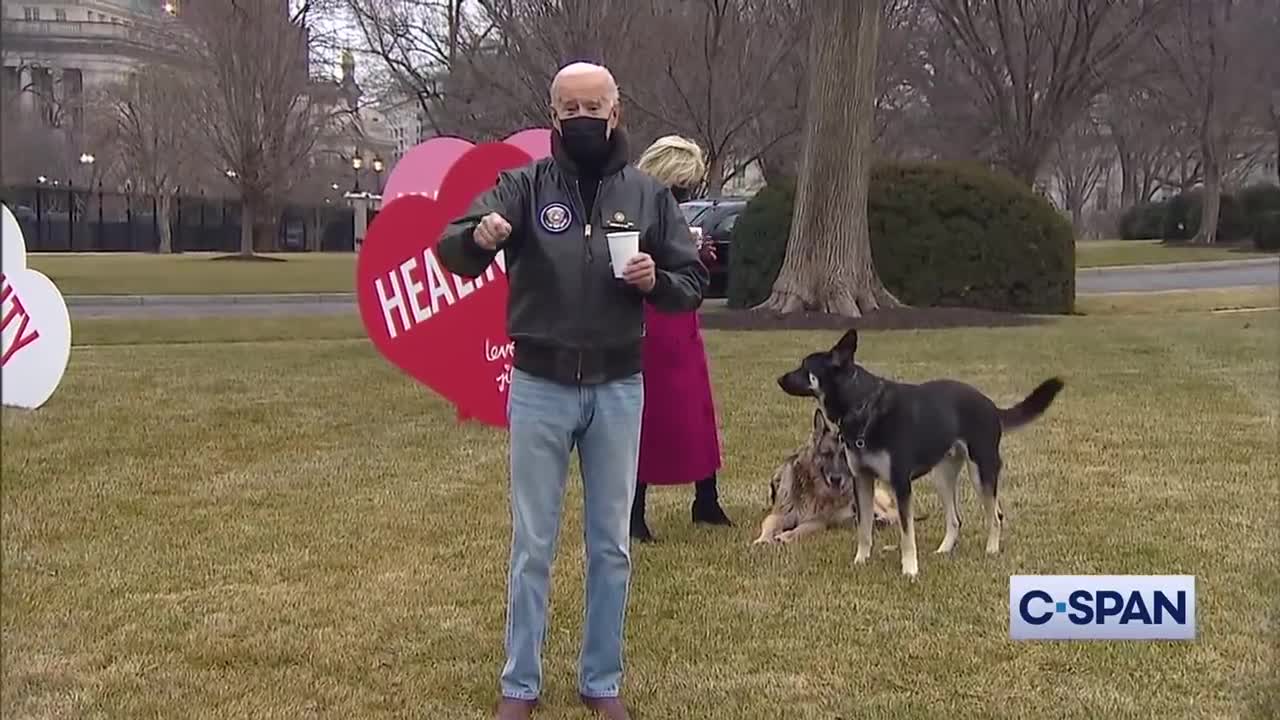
column 679, row 439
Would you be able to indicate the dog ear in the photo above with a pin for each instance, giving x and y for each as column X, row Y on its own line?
column 819, row 423
column 842, row 354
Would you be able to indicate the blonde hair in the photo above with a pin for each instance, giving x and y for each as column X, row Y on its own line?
column 675, row 161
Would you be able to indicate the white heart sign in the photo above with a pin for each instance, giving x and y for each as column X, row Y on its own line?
column 35, row 328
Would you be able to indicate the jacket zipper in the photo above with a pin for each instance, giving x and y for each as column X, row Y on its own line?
column 586, row 263
column 586, row 237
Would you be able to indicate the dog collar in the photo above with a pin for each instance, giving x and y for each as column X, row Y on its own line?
column 860, row 440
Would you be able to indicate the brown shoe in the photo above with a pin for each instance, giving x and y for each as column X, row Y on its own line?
column 608, row 708
column 512, row 709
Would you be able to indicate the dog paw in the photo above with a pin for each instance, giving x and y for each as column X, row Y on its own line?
column 910, row 576
column 786, row 536
column 861, row 557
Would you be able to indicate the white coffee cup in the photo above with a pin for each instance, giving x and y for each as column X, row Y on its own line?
column 622, row 247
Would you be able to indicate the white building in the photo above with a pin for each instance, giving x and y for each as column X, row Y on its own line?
column 58, row 48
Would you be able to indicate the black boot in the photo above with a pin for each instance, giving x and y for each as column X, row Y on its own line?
column 706, row 503
column 639, row 529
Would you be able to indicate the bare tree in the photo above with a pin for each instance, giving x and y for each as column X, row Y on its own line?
column 707, row 69
column 1031, row 67
column 248, row 92
column 1213, row 78
column 417, row 43
column 1080, row 160
column 152, row 137
column 828, row 265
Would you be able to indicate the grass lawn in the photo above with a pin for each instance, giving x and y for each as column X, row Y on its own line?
column 1108, row 253
column 195, row 273
column 212, row 521
column 1179, row 301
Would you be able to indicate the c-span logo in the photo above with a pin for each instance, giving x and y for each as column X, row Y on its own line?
column 1102, row 607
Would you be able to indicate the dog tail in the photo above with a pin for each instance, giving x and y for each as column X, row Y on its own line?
column 1032, row 407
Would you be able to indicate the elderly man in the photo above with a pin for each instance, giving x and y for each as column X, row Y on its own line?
column 577, row 378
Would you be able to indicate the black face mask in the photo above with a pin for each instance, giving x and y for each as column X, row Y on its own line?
column 585, row 141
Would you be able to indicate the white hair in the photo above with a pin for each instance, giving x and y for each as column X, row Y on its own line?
column 578, row 69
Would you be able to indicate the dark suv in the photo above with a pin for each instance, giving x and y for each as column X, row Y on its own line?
column 716, row 217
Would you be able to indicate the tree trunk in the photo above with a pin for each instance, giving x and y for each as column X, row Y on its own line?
column 1128, row 183
column 246, row 226
column 828, row 265
column 1025, row 166
column 164, row 222
column 777, row 165
column 715, row 175
column 314, row 230
column 1211, row 202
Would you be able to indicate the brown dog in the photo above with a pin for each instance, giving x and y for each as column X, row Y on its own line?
column 813, row 490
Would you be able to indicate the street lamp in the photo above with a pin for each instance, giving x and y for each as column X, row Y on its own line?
column 87, row 159
column 42, row 180
column 378, row 167
column 233, row 174
column 357, row 162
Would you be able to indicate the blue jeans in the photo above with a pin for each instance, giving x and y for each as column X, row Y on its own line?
column 547, row 421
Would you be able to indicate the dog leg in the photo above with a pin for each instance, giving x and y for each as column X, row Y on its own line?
column 769, row 529
column 864, row 487
column 947, row 480
column 988, row 481
column 907, row 527
column 886, row 513
column 800, row 531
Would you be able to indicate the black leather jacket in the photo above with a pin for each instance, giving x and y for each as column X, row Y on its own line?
column 571, row 320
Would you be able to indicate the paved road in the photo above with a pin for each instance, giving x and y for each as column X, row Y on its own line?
column 1180, row 276
column 1142, row 278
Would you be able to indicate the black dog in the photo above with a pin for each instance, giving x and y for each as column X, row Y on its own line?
column 900, row 431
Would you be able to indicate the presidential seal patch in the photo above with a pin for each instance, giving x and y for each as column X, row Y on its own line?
column 555, row 217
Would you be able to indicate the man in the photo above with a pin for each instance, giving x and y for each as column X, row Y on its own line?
column 577, row 378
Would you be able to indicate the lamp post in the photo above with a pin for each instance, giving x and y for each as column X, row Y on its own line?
column 378, row 167
column 86, row 161
column 360, row 201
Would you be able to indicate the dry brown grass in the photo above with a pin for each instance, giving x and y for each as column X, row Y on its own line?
column 289, row 528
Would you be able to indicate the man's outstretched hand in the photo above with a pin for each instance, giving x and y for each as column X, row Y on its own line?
column 492, row 231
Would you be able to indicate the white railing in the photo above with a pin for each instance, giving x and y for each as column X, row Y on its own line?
column 71, row 29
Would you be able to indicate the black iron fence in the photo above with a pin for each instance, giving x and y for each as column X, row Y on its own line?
column 61, row 219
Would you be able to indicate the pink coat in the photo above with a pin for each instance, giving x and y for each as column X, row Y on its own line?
column 679, row 438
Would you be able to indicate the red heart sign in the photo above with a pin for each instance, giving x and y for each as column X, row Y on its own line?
column 447, row 332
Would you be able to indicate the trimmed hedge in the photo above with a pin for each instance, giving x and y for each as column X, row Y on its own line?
column 1182, row 218
column 1144, row 221
column 941, row 235
column 1261, row 204
column 1266, row 230
column 1259, row 198
column 760, row 243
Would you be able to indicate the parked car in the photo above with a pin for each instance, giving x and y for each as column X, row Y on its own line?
column 716, row 217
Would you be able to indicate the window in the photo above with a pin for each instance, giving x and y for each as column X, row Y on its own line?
column 726, row 225
column 60, row 15
column 31, row 13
